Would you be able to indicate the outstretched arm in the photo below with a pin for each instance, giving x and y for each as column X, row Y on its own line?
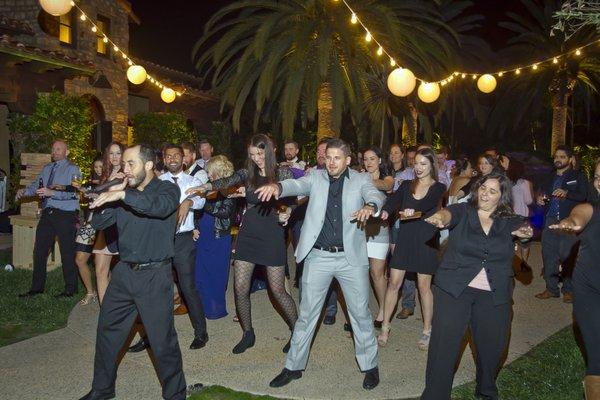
column 578, row 219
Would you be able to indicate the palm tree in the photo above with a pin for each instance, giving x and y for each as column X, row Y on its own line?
column 290, row 55
column 551, row 84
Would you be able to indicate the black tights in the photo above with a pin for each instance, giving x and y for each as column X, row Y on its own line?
column 243, row 280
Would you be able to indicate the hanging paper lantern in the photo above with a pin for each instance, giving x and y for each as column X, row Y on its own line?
column 136, row 74
column 486, row 83
column 168, row 95
column 428, row 92
column 56, row 7
column 401, row 82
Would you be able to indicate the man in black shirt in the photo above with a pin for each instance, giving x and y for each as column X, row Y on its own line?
column 141, row 282
column 333, row 245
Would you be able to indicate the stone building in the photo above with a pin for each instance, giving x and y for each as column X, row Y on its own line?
column 40, row 53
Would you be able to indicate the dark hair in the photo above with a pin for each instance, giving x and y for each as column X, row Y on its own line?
column 148, row 153
column 189, row 146
column 515, row 171
column 564, row 148
column 289, row 141
column 336, row 143
column 492, row 148
column 504, row 207
column 94, row 176
column 203, row 141
column 325, row 140
column 172, row 146
column 262, row 142
column 444, row 150
column 429, row 154
column 461, row 165
column 411, row 149
column 106, row 165
column 383, row 170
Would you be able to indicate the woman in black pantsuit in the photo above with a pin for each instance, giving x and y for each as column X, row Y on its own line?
column 586, row 284
column 473, row 285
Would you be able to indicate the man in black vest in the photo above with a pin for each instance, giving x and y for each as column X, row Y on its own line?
column 560, row 194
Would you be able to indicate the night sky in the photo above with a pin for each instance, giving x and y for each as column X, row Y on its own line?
column 170, row 29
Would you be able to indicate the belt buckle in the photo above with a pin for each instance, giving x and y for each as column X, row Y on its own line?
column 134, row 266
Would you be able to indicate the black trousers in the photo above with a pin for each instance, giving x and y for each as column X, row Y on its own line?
column 149, row 294
column 184, row 263
column 489, row 326
column 586, row 306
column 55, row 223
column 558, row 249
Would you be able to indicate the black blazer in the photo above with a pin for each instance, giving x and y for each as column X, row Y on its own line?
column 470, row 249
column 576, row 185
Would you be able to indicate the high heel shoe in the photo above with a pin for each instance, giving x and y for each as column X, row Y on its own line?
column 423, row 344
column 247, row 341
column 89, row 298
column 383, row 337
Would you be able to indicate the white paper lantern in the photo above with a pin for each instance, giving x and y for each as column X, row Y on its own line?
column 486, row 83
column 401, row 82
column 56, row 7
column 136, row 74
column 428, row 92
column 168, row 95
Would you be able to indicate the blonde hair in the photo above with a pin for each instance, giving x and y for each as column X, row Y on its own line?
column 219, row 167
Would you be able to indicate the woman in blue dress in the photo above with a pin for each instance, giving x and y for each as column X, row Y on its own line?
column 213, row 246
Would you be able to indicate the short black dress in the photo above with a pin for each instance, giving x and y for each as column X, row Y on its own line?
column 261, row 239
column 417, row 241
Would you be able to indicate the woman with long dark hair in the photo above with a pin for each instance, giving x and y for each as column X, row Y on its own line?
column 106, row 240
column 416, row 245
column 261, row 239
column 473, row 285
column 376, row 229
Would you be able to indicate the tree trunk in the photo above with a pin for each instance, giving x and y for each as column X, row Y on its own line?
column 560, row 89
column 409, row 127
column 325, row 113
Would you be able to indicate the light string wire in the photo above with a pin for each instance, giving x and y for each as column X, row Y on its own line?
column 369, row 37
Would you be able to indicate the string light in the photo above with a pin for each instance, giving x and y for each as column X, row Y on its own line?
column 354, row 19
column 94, row 28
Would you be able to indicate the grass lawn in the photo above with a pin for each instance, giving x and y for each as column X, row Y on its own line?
column 553, row 370
column 24, row 318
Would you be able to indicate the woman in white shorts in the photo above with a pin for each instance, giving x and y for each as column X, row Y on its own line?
column 377, row 231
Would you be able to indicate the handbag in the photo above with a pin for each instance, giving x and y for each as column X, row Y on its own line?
column 86, row 234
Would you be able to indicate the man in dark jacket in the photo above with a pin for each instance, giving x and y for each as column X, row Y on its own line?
column 562, row 192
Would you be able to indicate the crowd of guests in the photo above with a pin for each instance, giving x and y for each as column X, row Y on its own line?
column 416, row 220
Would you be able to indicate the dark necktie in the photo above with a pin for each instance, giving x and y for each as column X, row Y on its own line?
column 175, row 179
column 50, row 182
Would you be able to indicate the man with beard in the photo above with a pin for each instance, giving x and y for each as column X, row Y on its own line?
column 333, row 245
column 189, row 162
column 564, row 190
column 141, row 283
column 291, row 150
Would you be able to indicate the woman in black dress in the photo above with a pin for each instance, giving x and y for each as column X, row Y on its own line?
column 473, row 285
column 261, row 239
column 416, row 243
column 586, row 284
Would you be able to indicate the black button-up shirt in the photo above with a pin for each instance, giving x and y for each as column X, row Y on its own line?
column 470, row 249
column 332, row 233
column 146, row 222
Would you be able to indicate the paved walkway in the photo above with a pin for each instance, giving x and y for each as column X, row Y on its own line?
column 58, row 365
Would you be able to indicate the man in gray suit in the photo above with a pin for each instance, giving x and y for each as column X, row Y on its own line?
column 332, row 245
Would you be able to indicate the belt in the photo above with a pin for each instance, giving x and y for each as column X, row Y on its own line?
column 148, row 265
column 332, row 249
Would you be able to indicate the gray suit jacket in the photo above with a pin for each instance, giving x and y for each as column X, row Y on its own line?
column 358, row 190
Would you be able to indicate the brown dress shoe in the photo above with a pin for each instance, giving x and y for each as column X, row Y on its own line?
column 180, row 310
column 405, row 313
column 567, row 298
column 592, row 387
column 545, row 295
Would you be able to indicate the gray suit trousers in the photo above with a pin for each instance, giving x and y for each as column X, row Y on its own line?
column 320, row 267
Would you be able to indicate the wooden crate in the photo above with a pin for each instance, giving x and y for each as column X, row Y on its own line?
column 23, row 241
column 30, row 208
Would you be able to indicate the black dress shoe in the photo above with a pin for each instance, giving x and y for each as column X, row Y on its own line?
column 285, row 377
column 199, row 341
column 329, row 320
column 141, row 345
column 371, row 379
column 377, row 324
column 63, row 295
column 247, row 341
column 94, row 395
column 348, row 327
column 31, row 293
column 195, row 388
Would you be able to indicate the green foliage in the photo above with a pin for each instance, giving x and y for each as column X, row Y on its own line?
column 155, row 129
column 56, row 115
column 220, row 138
column 589, row 156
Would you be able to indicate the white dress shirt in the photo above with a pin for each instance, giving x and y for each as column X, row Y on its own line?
column 201, row 175
column 186, row 181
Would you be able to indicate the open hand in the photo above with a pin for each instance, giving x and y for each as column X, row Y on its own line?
column 240, row 192
column 567, row 226
column 524, row 232
column 267, row 191
column 284, row 216
column 45, row 192
column 560, row 193
column 198, row 190
column 435, row 220
column 384, row 215
column 364, row 213
column 409, row 212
